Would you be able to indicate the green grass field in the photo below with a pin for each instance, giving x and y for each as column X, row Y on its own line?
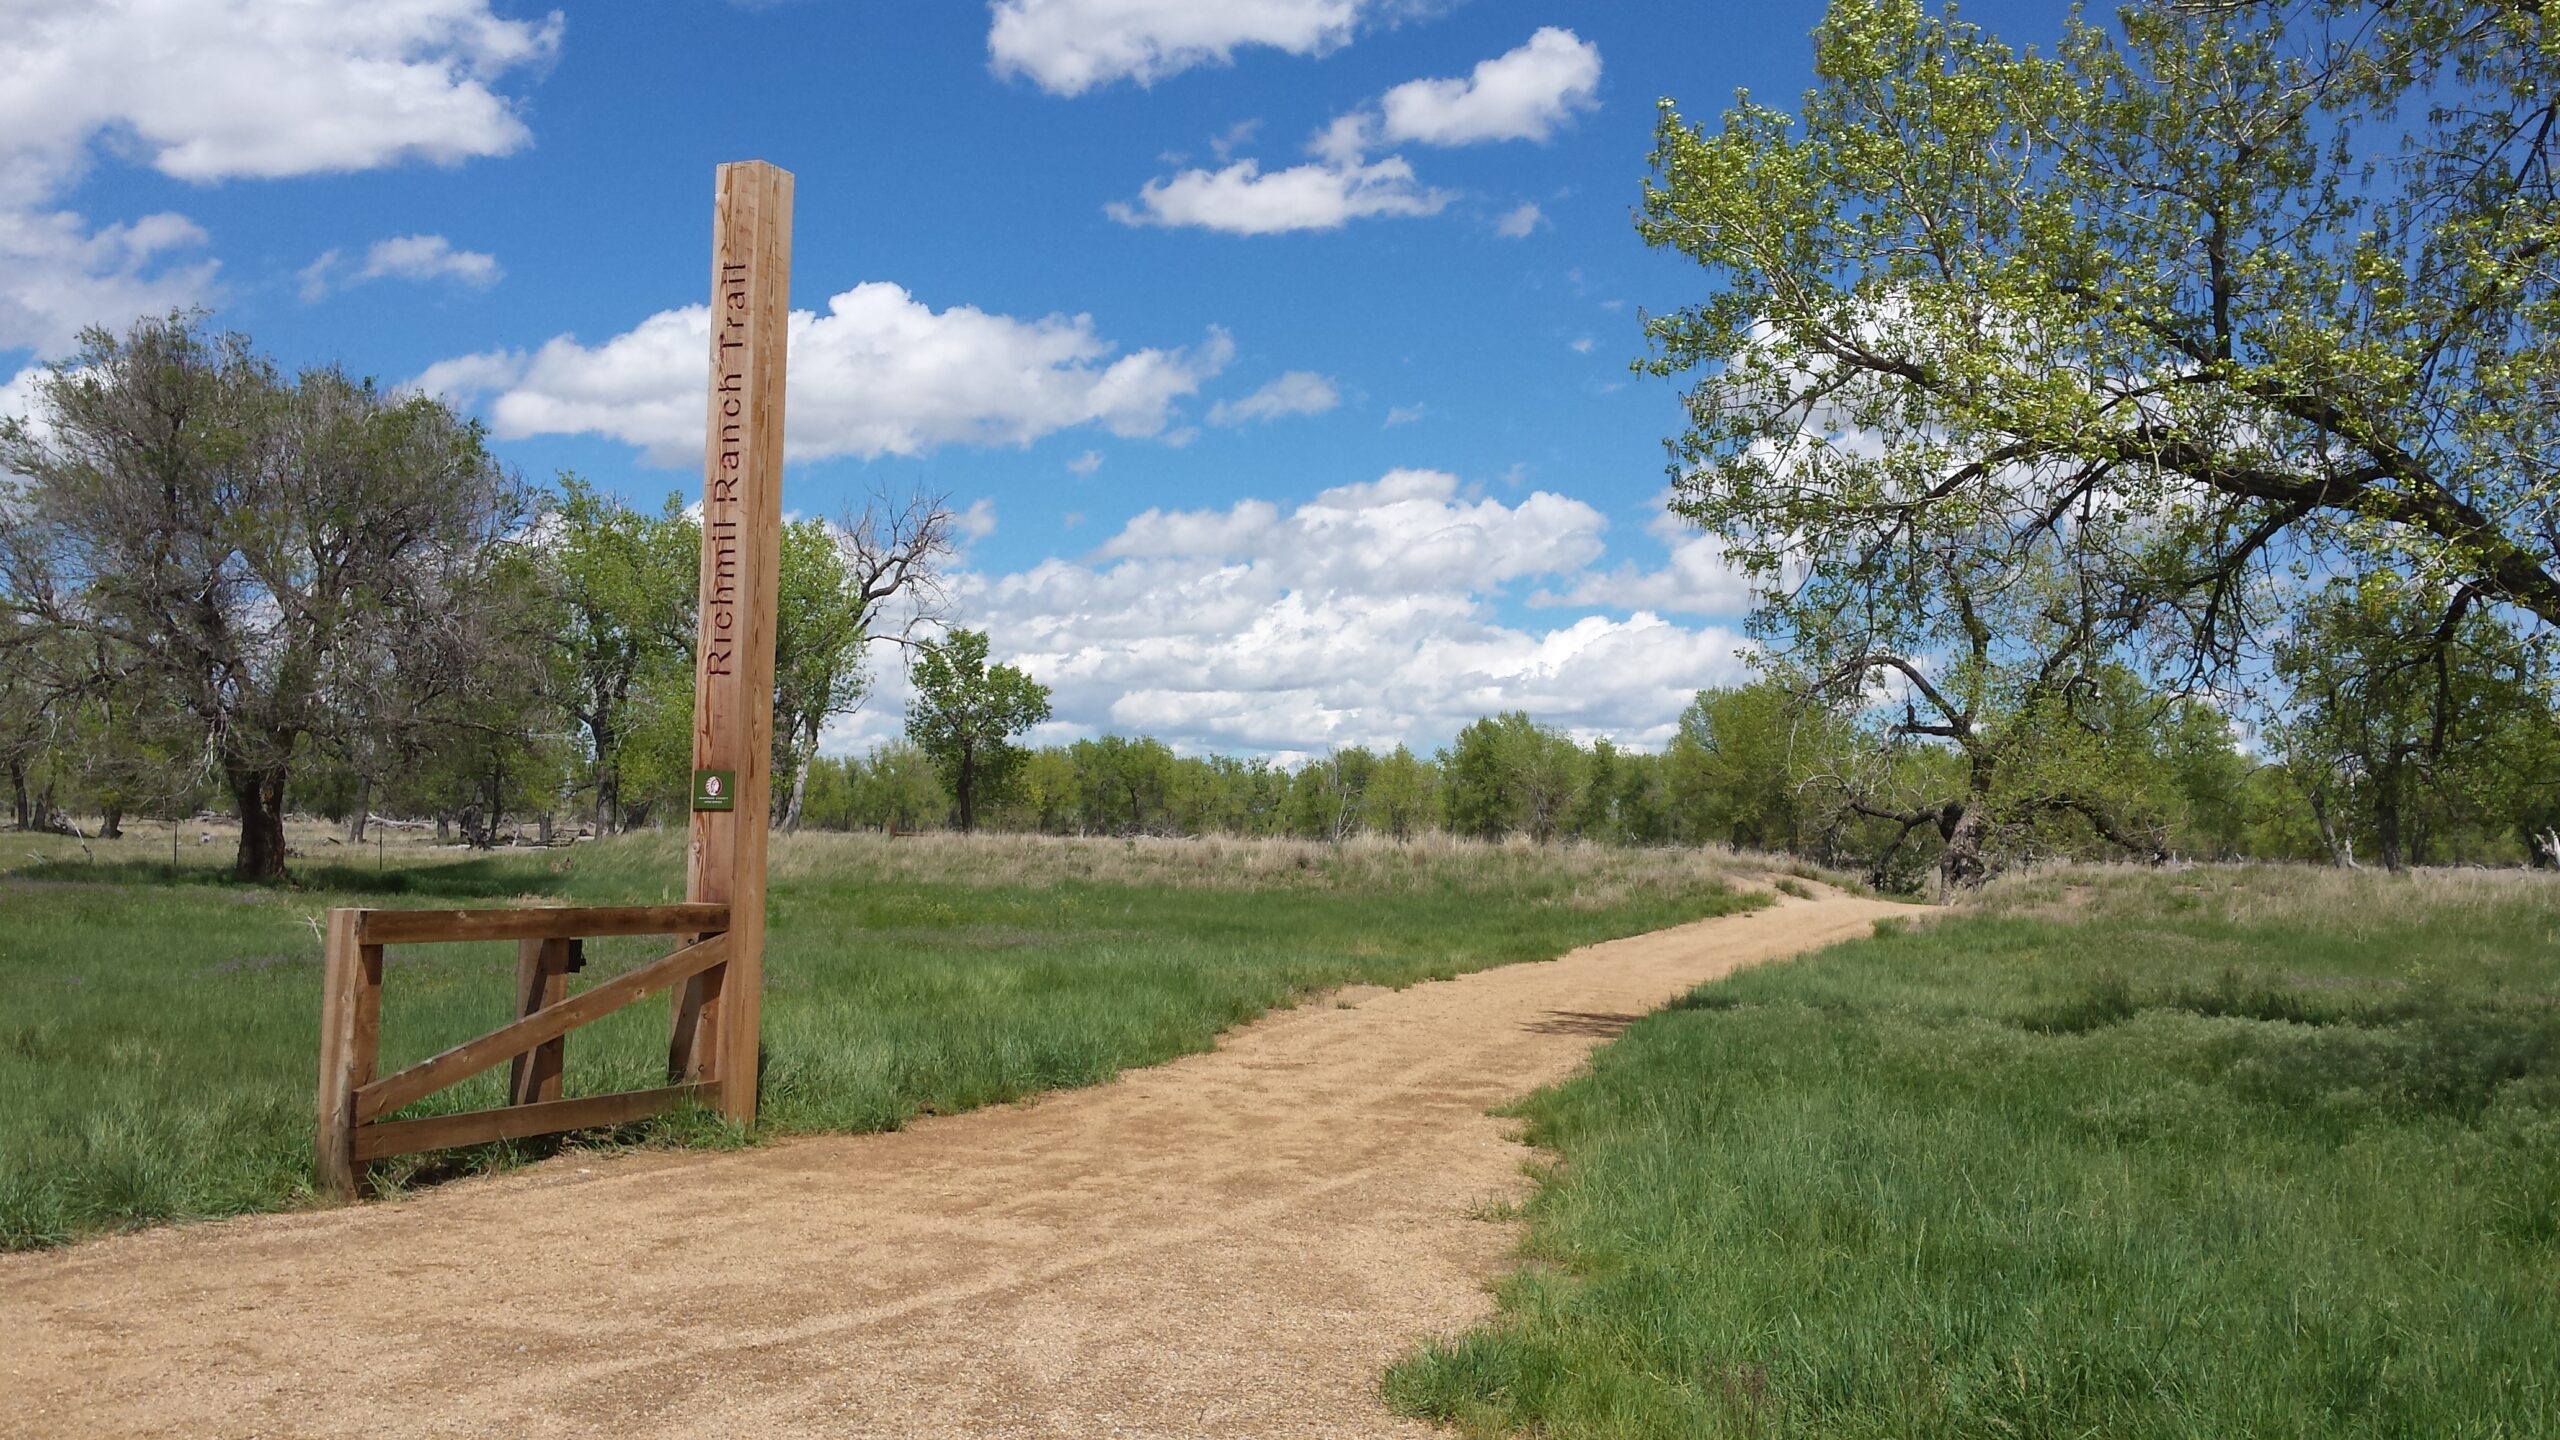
column 2269, row 1152
column 158, row 1026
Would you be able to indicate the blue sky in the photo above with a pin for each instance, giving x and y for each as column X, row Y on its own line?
column 1278, row 349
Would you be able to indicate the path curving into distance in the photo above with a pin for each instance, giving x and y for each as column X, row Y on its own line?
column 1232, row 1244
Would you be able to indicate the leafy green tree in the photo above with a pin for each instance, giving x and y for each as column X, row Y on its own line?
column 1123, row 786
column 1642, row 811
column 2204, row 778
column 966, row 713
column 626, row 580
column 1739, row 761
column 631, row 581
column 261, row 549
column 836, row 590
column 2003, row 667
column 2411, row 723
column 899, row 789
column 1506, row 773
column 1046, row 793
column 1592, row 814
column 2216, row 287
column 1325, row 795
column 28, row 700
column 1403, row 796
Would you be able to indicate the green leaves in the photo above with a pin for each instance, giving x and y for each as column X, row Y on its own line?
column 2224, row 284
column 966, row 713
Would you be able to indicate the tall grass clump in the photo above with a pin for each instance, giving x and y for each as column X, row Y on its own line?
column 2262, row 1152
column 158, row 1024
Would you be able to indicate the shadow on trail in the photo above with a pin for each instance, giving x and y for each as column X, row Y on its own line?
column 1601, row 1023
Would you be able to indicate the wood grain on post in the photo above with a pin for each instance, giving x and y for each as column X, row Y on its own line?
column 350, row 1036
column 542, row 980
column 719, row 1015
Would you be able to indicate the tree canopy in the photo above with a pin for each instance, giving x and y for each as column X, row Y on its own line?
column 2217, row 290
column 966, row 713
column 266, row 561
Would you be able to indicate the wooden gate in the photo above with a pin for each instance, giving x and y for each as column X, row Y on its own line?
column 717, row 967
column 550, row 948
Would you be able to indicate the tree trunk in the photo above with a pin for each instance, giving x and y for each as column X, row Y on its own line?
column 799, row 786
column 359, row 817
column 2386, row 821
column 1962, row 867
column 21, row 810
column 2341, row 853
column 111, row 821
column 966, row 787
column 608, row 799
column 482, row 821
column 260, row 796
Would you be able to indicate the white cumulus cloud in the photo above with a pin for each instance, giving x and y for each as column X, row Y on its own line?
column 1522, row 95
column 1068, row 47
column 1298, row 392
column 878, row 373
column 58, row 275
column 1242, row 200
column 206, row 90
column 1520, row 223
column 1366, row 615
column 1696, row 579
column 221, row 89
column 402, row 257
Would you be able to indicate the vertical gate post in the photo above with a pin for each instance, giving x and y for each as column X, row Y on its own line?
column 542, row 979
column 350, row 1039
column 719, row 1015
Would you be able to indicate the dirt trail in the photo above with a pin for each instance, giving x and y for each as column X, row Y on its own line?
column 1234, row 1244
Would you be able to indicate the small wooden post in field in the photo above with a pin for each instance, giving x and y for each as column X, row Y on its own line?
column 718, row 1015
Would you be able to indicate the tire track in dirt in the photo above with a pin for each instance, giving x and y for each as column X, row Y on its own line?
column 1232, row 1244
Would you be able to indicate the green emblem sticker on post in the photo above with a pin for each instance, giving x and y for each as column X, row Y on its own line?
column 715, row 789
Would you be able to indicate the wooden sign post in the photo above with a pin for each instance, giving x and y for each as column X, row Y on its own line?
column 718, row 1018
column 717, row 967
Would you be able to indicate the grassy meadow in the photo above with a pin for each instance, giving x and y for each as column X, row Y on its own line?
column 2266, row 1152
column 158, row 1024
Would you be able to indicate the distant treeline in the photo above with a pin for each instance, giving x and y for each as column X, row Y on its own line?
column 1750, row 767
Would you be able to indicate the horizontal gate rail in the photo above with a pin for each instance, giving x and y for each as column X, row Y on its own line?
column 515, row 1122
column 353, row 1102
column 549, row 922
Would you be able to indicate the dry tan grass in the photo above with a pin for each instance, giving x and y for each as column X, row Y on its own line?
column 2259, row 894
column 1598, row 875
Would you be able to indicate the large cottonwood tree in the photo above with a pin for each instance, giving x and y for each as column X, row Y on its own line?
column 2220, row 289
column 258, row 548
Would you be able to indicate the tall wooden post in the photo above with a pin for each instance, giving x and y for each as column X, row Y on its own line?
column 719, row 1013
column 350, row 1038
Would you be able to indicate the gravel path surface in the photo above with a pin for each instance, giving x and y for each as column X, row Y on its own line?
column 1234, row 1244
